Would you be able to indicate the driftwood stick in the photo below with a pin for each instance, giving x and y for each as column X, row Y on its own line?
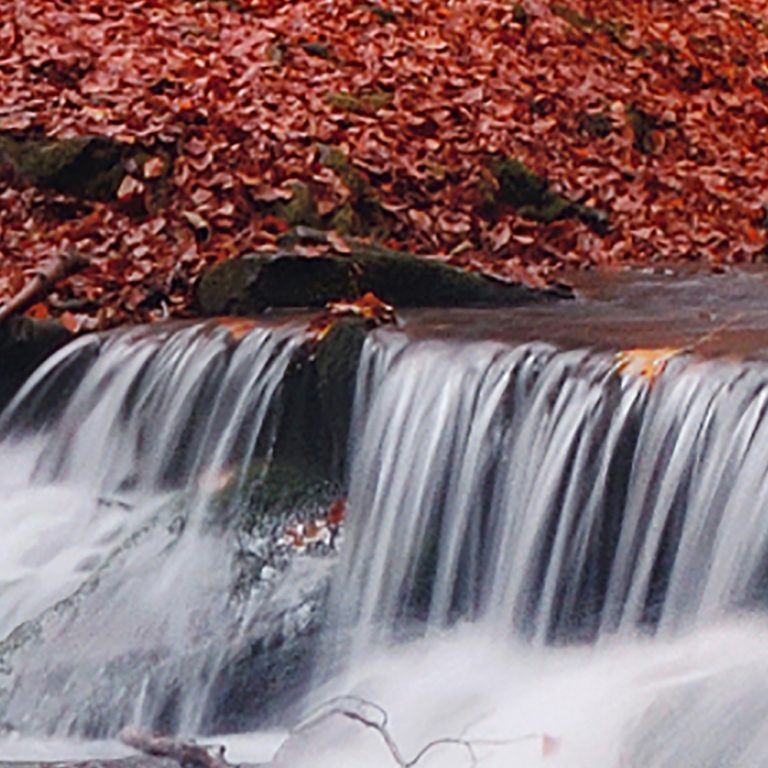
column 185, row 753
column 43, row 281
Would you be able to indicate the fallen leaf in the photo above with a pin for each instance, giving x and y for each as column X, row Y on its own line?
column 646, row 363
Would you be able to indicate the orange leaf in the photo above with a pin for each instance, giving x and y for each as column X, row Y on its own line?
column 237, row 326
column 154, row 167
column 38, row 311
column 369, row 306
column 647, row 363
column 337, row 512
column 129, row 188
column 69, row 321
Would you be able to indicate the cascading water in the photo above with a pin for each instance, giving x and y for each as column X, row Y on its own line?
column 541, row 491
column 506, row 502
column 116, row 566
column 536, row 544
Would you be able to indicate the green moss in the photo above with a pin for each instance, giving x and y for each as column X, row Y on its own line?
column 302, row 468
column 313, row 427
column 513, row 184
column 253, row 283
column 86, row 167
column 367, row 102
column 337, row 160
column 270, row 490
column 615, row 30
column 362, row 214
column 345, row 220
column 301, row 209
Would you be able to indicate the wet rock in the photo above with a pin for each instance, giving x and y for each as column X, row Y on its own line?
column 256, row 282
column 24, row 344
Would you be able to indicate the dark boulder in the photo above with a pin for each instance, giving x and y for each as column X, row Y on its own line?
column 24, row 344
column 257, row 282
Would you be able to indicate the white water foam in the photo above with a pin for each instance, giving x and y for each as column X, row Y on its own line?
column 699, row 700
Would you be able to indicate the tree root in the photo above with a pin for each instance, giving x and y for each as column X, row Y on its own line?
column 43, row 281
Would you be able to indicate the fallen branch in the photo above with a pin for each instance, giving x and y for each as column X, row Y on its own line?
column 43, row 281
column 354, row 708
column 187, row 754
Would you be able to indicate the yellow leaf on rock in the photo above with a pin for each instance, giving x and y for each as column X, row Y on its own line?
column 647, row 363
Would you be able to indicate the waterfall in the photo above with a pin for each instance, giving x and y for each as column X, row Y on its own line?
column 530, row 533
column 543, row 493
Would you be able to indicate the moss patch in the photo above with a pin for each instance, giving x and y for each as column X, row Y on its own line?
column 318, row 390
column 615, row 30
column 300, row 209
column 367, row 102
column 362, row 214
column 511, row 183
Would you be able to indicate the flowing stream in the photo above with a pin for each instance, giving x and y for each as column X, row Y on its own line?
column 554, row 561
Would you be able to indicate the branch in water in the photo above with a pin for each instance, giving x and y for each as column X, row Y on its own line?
column 373, row 716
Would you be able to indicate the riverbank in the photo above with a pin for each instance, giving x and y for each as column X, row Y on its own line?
column 514, row 139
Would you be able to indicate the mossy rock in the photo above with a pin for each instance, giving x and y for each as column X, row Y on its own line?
column 86, row 167
column 513, row 184
column 274, row 489
column 363, row 214
column 256, row 282
column 317, row 400
column 300, row 465
column 24, row 344
column 301, row 209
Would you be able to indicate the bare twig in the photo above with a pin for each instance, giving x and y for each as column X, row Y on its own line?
column 43, row 282
column 354, row 708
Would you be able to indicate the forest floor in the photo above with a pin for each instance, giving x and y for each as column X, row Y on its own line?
column 518, row 139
